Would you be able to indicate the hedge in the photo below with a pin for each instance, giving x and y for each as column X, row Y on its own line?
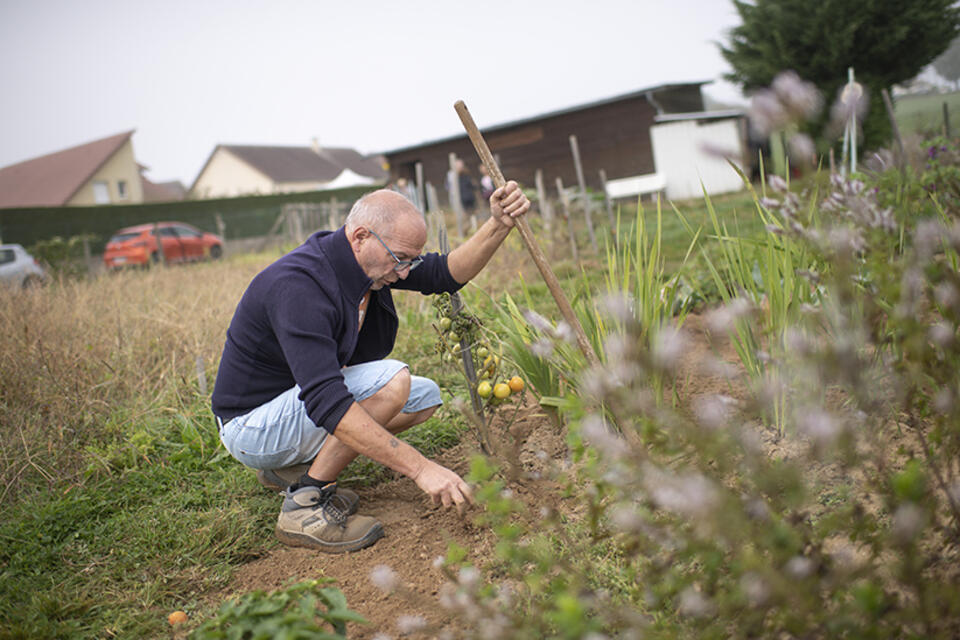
column 244, row 217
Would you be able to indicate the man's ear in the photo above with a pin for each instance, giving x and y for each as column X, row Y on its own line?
column 358, row 233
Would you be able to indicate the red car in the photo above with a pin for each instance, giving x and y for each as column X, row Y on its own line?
column 180, row 241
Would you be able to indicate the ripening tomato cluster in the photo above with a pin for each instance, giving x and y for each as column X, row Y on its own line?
column 460, row 328
column 500, row 390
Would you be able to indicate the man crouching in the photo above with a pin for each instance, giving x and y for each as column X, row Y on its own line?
column 304, row 385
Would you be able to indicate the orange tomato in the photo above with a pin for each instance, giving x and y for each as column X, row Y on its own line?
column 516, row 384
column 177, row 617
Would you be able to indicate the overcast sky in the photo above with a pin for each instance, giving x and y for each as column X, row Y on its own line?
column 375, row 76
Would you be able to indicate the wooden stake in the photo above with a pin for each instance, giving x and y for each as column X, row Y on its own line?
column 527, row 235
column 160, row 254
column 584, row 198
column 455, row 203
column 565, row 202
column 607, row 201
column 901, row 156
column 546, row 212
column 421, row 197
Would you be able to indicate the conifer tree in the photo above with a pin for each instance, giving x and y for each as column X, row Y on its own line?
column 885, row 41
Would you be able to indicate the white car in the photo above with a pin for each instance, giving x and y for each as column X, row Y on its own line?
column 19, row 268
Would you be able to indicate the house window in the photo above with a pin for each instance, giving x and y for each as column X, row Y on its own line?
column 101, row 193
column 122, row 189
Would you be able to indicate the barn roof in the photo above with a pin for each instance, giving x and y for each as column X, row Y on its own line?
column 559, row 112
column 52, row 180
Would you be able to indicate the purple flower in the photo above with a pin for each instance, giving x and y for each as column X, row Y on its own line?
column 801, row 99
column 766, row 114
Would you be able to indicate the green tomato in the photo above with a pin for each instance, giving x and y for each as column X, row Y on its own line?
column 483, row 352
column 445, row 323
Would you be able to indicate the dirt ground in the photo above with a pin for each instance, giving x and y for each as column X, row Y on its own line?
column 417, row 532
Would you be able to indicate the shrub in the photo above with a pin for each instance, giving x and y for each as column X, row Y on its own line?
column 691, row 521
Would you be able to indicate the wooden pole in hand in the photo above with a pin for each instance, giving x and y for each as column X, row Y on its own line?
column 527, row 234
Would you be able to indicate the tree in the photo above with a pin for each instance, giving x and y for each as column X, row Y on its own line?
column 948, row 64
column 885, row 41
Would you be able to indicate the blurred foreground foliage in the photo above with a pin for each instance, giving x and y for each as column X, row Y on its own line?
column 814, row 491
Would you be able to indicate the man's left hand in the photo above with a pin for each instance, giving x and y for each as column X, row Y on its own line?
column 508, row 203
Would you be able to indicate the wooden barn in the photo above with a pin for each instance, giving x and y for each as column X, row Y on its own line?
column 612, row 134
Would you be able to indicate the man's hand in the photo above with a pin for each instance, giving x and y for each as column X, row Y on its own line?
column 508, row 203
column 444, row 486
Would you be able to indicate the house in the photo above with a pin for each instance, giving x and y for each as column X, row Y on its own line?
column 162, row 191
column 613, row 134
column 100, row 172
column 235, row 170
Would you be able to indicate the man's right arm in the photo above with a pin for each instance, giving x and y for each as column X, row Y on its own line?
column 367, row 437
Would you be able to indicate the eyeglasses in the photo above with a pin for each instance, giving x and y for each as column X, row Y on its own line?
column 401, row 264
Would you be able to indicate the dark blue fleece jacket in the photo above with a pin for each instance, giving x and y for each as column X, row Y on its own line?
column 297, row 324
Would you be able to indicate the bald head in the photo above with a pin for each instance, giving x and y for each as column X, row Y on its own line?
column 385, row 211
column 384, row 228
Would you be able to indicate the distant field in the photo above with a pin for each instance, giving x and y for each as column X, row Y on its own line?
column 923, row 114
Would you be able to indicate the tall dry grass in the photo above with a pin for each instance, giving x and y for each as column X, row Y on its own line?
column 82, row 361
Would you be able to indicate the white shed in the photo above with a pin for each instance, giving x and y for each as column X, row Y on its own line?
column 692, row 148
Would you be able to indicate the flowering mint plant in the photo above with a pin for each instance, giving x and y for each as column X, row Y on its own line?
column 689, row 520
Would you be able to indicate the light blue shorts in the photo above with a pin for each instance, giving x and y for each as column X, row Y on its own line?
column 279, row 433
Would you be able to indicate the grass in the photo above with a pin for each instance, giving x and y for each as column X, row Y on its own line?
column 117, row 502
column 924, row 114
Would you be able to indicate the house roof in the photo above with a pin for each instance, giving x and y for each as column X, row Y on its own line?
column 303, row 164
column 162, row 191
column 52, row 180
column 720, row 114
column 559, row 112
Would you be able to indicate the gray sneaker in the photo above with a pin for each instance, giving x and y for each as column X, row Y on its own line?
column 279, row 479
column 318, row 519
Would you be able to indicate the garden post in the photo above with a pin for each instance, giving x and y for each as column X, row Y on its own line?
column 901, row 156
column 453, row 180
column 607, row 201
column 545, row 210
column 161, row 256
column 575, row 149
column 565, row 202
column 421, row 200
